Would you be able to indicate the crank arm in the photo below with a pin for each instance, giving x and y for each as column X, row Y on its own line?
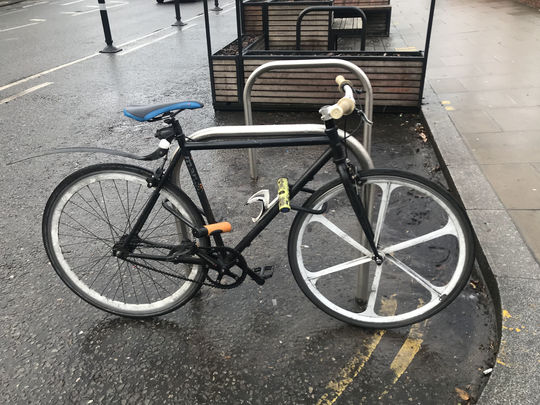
column 254, row 276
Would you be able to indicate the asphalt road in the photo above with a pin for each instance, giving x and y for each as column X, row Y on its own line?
column 250, row 345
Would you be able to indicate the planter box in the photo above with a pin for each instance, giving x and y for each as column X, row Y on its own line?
column 396, row 80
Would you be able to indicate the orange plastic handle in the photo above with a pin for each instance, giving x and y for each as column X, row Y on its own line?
column 222, row 227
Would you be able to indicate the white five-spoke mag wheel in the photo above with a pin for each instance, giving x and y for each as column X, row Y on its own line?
column 424, row 237
column 88, row 214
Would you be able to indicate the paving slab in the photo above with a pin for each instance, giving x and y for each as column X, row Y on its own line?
column 504, row 147
column 529, row 221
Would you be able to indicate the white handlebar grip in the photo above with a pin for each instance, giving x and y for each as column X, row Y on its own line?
column 347, row 105
column 336, row 112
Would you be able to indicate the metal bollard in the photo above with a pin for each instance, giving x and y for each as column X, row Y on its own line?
column 179, row 22
column 217, row 7
column 110, row 48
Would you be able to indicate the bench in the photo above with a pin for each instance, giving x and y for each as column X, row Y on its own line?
column 378, row 13
column 347, row 26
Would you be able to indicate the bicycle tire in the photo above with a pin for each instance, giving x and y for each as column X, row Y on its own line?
column 423, row 233
column 86, row 215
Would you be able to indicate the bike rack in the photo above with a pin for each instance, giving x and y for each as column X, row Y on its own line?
column 295, row 64
column 249, row 131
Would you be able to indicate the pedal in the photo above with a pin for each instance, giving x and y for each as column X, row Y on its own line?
column 264, row 272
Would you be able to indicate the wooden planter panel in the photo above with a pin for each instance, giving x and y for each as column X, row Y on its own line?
column 225, row 79
column 282, row 28
column 395, row 83
column 253, row 19
column 282, row 24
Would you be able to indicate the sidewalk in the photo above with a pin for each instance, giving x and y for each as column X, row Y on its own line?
column 483, row 108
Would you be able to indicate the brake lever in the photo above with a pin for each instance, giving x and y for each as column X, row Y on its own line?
column 363, row 116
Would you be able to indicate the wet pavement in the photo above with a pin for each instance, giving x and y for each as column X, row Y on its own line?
column 253, row 344
column 249, row 345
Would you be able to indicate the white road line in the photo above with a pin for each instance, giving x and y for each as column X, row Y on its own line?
column 35, row 4
column 189, row 27
column 37, row 75
column 22, row 93
column 71, row 2
column 193, row 18
column 20, row 26
column 202, row 14
column 146, row 44
column 12, row 12
column 7, row 86
column 227, row 11
column 146, row 36
column 37, row 19
column 97, row 9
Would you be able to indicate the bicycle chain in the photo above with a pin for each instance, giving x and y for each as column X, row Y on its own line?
column 165, row 273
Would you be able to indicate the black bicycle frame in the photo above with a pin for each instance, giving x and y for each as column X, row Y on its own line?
column 336, row 151
column 185, row 152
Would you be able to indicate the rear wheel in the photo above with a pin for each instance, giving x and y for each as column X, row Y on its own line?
column 424, row 237
column 90, row 211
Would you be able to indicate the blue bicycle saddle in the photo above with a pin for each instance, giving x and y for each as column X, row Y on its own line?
column 147, row 112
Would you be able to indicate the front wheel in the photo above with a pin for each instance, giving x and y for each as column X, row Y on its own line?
column 424, row 237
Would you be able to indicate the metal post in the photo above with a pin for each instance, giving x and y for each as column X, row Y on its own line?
column 217, row 7
column 179, row 22
column 110, row 48
column 426, row 49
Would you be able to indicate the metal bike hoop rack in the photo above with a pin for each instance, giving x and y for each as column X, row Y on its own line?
column 295, row 64
column 249, row 131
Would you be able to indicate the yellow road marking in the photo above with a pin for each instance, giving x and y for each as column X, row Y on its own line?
column 406, row 353
column 357, row 363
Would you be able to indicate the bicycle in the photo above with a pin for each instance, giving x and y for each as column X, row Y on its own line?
column 130, row 242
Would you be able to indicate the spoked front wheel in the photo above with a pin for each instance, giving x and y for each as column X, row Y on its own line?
column 87, row 216
column 424, row 237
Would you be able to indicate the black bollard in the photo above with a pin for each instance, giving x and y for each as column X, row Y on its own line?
column 179, row 22
column 217, row 7
column 110, row 48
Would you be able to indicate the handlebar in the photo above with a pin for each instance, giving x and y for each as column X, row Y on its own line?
column 345, row 104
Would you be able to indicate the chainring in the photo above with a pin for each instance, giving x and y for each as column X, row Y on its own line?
column 226, row 278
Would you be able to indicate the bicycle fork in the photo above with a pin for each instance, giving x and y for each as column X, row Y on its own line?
column 359, row 209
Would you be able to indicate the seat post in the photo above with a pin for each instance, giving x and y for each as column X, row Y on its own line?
column 178, row 131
